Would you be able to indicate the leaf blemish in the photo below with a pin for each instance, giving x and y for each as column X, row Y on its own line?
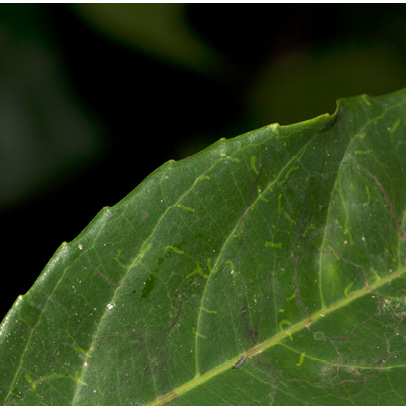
column 253, row 164
column 198, row 334
column 252, row 331
column 175, row 321
column 395, row 125
column 273, row 244
column 186, row 208
column 149, row 286
column 198, row 270
column 348, row 287
column 171, row 248
column 301, row 358
column 240, row 361
column 290, row 170
column 115, row 285
column 208, row 311
column 231, row 158
column 385, row 196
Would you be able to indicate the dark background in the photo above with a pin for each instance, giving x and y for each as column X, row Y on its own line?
column 93, row 98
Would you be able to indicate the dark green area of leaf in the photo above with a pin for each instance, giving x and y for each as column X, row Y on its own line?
column 286, row 244
column 149, row 285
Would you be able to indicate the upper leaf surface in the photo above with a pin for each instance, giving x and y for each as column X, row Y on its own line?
column 286, row 244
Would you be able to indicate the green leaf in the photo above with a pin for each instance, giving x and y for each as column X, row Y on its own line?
column 161, row 30
column 286, row 244
column 329, row 74
column 37, row 96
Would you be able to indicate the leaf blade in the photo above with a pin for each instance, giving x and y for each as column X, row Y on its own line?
column 265, row 245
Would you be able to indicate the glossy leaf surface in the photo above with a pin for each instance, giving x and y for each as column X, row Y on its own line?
column 286, row 244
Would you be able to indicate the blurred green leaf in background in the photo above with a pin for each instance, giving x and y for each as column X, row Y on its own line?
column 159, row 30
column 44, row 130
column 95, row 97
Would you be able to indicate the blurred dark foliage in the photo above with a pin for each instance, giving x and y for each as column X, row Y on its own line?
column 140, row 111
